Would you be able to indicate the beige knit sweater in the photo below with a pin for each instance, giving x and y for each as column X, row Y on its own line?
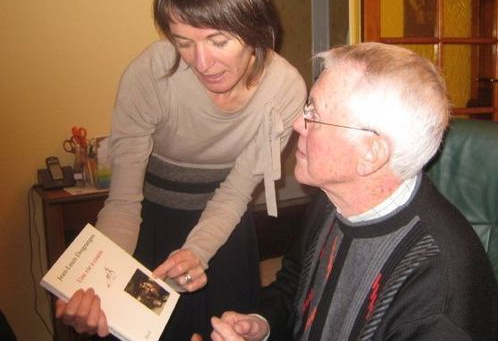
column 174, row 119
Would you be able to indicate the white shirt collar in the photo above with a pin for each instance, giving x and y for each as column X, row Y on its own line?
column 397, row 199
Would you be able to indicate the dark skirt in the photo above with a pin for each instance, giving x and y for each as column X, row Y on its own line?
column 233, row 274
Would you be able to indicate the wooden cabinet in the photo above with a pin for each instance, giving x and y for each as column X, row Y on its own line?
column 63, row 216
column 460, row 36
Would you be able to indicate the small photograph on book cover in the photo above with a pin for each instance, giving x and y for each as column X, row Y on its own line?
column 145, row 290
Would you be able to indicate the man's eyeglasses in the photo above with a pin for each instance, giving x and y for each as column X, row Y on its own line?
column 309, row 114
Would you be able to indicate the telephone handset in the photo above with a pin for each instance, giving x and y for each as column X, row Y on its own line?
column 55, row 176
column 54, row 168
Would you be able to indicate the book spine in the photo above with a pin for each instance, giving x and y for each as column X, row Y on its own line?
column 53, row 290
column 121, row 335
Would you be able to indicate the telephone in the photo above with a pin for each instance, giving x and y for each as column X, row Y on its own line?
column 55, row 176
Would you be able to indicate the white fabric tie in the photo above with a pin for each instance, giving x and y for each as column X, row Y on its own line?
column 273, row 129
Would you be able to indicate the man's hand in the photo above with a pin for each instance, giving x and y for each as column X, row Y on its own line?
column 196, row 337
column 238, row 327
column 83, row 313
column 185, row 268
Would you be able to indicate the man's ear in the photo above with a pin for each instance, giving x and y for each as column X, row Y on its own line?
column 376, row 155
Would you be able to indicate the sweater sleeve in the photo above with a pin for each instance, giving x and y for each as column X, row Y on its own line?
column 224, row 210
column 137, row 111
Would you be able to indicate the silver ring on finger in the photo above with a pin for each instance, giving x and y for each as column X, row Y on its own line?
column 188, row 278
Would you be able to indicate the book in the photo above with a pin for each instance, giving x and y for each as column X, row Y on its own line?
column 136, row 305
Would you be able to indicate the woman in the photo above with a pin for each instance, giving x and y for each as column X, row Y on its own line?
column 200, row 119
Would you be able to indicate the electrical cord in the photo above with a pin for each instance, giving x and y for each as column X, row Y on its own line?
column 32, row 227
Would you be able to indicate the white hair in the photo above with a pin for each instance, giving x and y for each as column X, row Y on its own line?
column 400, row 95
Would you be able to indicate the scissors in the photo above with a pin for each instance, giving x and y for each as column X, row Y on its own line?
column 79, row 137
column 69, row 145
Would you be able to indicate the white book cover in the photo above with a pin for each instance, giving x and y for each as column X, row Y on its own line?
column 137, row 306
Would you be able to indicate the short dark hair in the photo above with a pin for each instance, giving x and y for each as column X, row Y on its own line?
column 255, row 22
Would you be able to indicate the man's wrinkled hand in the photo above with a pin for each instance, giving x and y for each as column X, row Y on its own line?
column 239, row 327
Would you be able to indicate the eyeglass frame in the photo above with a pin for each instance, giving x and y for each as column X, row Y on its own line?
column 308, row 113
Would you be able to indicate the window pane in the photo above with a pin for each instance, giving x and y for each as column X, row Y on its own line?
column 487, row 10
column 419, row 18
column 482, row 82
column 457, row 17
column 391, row 18
column 457, row 72
column 408, row 18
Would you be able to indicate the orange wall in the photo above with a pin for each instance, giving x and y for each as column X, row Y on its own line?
column 60, row 62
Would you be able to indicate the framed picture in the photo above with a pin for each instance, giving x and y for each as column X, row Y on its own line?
column 419, row 18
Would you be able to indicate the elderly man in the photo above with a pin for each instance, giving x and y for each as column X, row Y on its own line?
column 382, row 256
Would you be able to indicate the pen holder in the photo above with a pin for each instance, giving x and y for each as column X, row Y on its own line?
column 102, row 163
column 82, row 171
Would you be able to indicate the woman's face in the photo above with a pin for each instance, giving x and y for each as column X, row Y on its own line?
column 218, row 59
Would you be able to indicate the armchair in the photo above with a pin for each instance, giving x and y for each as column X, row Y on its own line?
column 466, row 173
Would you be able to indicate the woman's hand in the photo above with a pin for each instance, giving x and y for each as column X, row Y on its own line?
column 83, row 313
column 184, row 267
